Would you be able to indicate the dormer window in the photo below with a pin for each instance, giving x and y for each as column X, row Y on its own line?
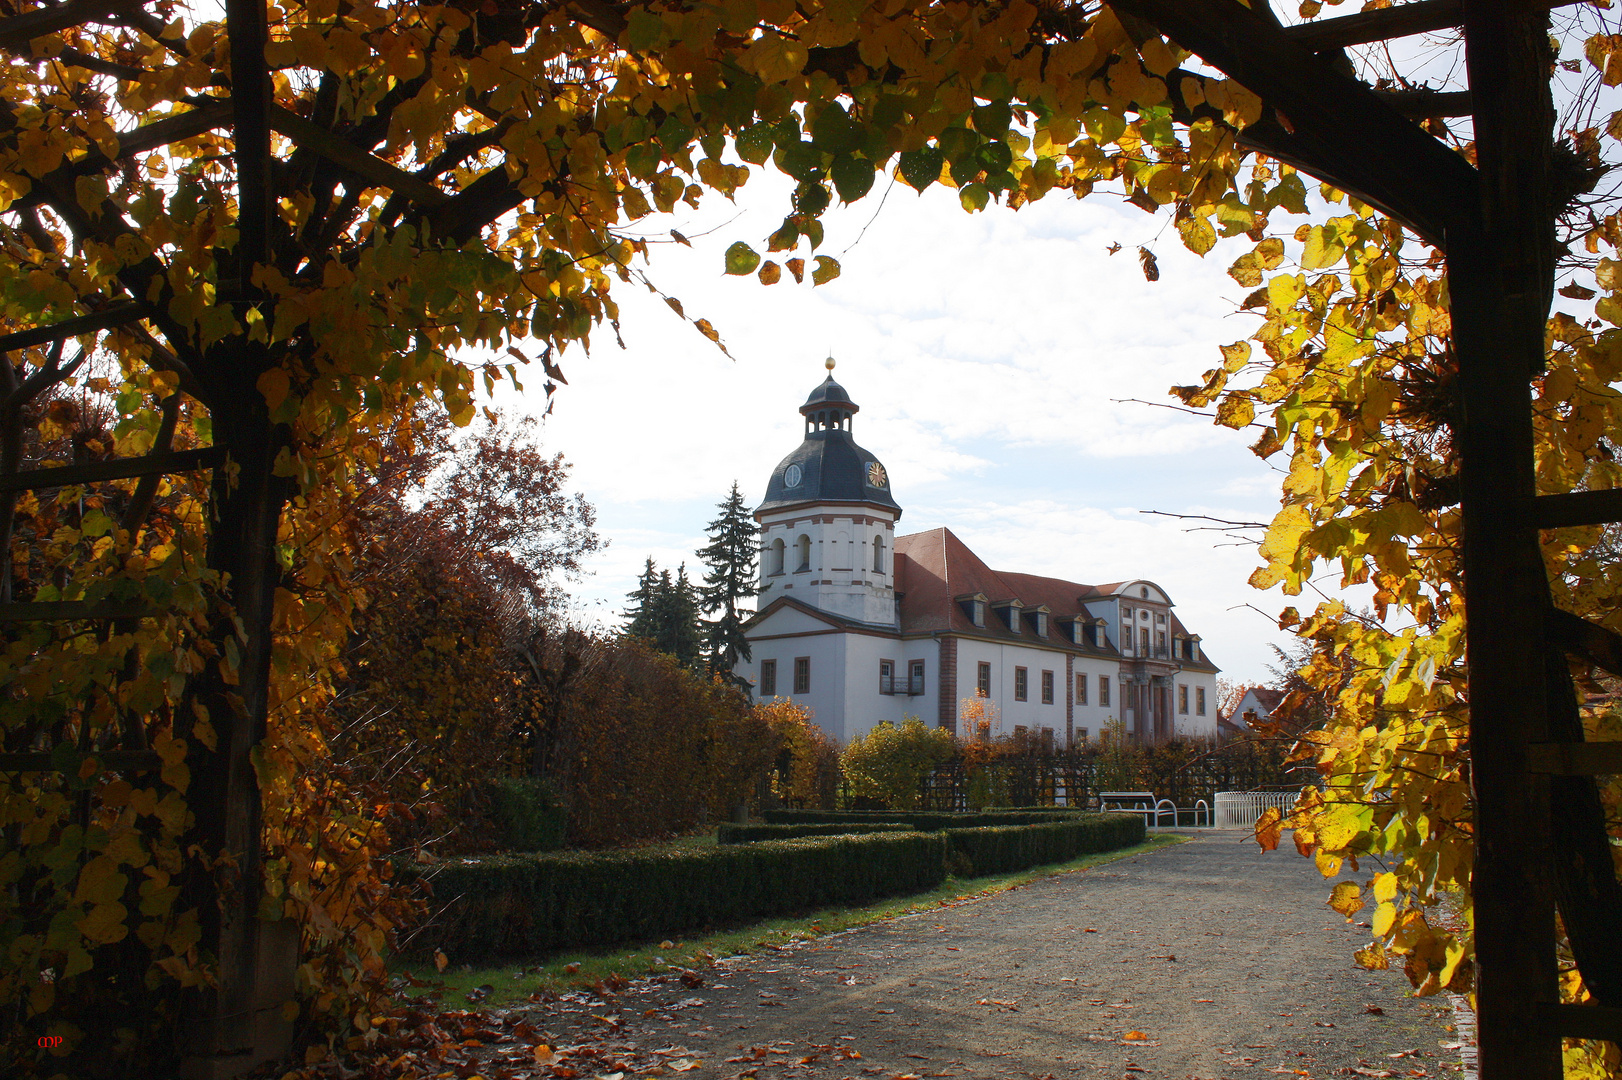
column 1009, row 612
column 1039, row 621
column 974, row 607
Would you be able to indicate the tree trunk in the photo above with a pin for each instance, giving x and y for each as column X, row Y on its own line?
column 226, row 1030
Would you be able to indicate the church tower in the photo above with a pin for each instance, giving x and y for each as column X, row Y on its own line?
column 828, row 522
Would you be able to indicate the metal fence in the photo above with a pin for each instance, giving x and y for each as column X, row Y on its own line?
column 1183, row 775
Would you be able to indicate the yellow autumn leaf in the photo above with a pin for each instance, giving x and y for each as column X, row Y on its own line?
column 105, row 923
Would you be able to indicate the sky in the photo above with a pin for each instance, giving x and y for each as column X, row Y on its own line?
column 993, row 357
column 1012, row 377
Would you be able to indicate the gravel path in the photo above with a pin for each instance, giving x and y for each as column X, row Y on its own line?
column 1204, row 959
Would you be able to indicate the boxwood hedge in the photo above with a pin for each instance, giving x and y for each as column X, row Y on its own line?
column 522, row 905
column 925, row 820
column 1004, row 849
column 730, row 833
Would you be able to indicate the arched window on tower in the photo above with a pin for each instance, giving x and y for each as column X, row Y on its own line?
column 802, row 552
column 774, row 564
column 878, row 554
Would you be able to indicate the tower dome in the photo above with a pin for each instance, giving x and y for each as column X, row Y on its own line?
column 828, row 467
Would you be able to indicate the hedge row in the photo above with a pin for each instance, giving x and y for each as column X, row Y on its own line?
column 522, row 905
column 925, row 820
column 729, row 833
column 1004, row 849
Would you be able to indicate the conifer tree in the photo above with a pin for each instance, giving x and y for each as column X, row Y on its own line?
column 664, row 613
column 641, row 616
column 729, row 579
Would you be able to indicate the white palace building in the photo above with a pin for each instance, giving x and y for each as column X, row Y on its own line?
column 862, row 625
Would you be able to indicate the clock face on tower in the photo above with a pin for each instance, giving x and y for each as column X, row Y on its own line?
column 875, row 475
column 791, row 476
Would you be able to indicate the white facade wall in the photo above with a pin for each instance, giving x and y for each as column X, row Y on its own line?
column 841, row 562
column 1191, row 724
column 1092, row 716
column 1004, row 659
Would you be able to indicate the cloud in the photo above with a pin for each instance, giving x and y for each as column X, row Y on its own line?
column 989, row 353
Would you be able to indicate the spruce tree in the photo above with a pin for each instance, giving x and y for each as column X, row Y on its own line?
column 641, row 618
column 683, row 626
column 664, row 613
column 729, row 579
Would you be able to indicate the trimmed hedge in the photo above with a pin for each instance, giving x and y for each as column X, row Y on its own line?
column 923, row 820
column 1004, row 849
column 730, row 833
column 522, row 905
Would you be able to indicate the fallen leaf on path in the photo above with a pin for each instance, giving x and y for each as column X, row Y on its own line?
column 1204, row 1001
column 1405, row 1053
column 1374, row 1009
column 1089, row 930
column 545, row 1055
column 1134, row 1035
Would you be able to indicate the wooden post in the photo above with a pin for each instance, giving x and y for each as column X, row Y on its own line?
column 1501, row 281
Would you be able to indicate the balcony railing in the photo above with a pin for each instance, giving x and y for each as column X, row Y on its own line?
column 912, row 686
column 1148, row 652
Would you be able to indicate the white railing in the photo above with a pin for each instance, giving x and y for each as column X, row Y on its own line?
column 1156, row 812
column 1241, row 809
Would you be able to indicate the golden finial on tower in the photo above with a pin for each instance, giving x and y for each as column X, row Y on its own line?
column 829, row 363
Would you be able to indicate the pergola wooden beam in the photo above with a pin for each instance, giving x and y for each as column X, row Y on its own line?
column 1367, row 146
column 340, row 152
column 251, row 104
column 171, row 129
column 1579, row 637
column 1578, row 508
column 1401, row 20
column 116, row 315
column 180, row 461
column 19, row 30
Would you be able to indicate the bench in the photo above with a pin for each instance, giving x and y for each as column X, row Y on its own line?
column 1138, row 802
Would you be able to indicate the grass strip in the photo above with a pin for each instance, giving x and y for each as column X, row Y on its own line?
column 513, row 982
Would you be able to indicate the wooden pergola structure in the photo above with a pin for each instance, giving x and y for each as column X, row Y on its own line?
column 1541, row 841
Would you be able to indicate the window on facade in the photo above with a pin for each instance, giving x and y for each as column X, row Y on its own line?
column 982, row 680
column 915, row 677
column 1020, row 675
column 1081, row 689
column 886, row 676
column 1081, row 735
column 1047, row 688
column 1126, row 613
column 1103, row 689
column 1143, row 638
column 1182, row 698
column 1199, row 700
column 774, row 563
column 1160, row 642
column 878, row 554
column 802, row 674
column 802, row 554
column 1160, row 619
column 768, row 678
column 1143, row 591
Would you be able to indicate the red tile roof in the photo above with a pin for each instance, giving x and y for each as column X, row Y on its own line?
column 934, row 570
